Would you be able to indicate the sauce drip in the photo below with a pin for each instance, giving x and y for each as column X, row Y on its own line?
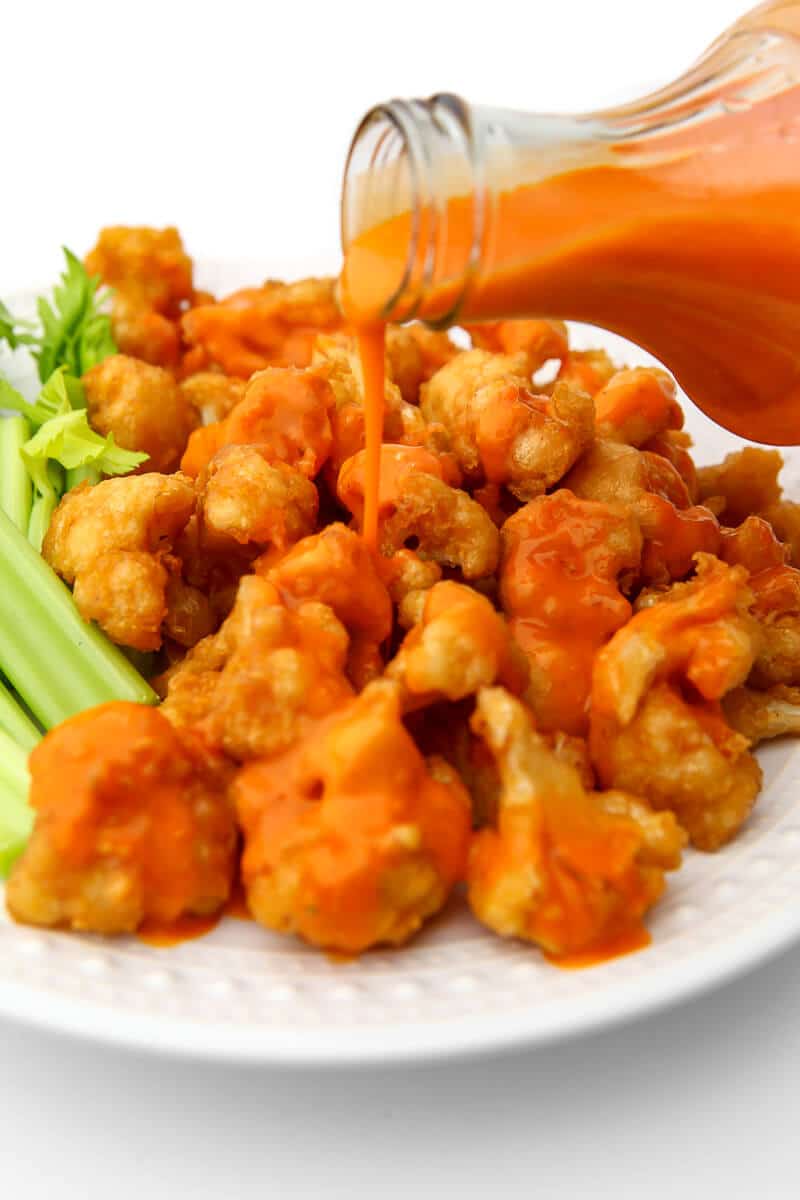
column 187, row 927
column 626, row 942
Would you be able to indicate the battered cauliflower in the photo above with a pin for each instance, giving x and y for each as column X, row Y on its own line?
column 408, row 578
column 745, row 482
column 539, row 340
column 499, row 430
column 419, row 511
column 114, row 543
column 212, row 395
column 132, row 822
column 563, row 562
column 460, row 644
column 759, row 715
column 656, row 725
column 142, row 406
column 274, row 325
column 265, row 678
column 587, row 370
column 351, row 840
column 636, row 405
column 413, row 354
column 565, row 868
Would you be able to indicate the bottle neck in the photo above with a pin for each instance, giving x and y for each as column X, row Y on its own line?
column 425, row 204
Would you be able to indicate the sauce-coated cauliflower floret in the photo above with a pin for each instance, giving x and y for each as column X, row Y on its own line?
column 274, row 325
column 413, row 354
column 656, row 725
column 245, row 500
column 132, row 822
column 416, row 505
column 636, row 405
column 537, row 338
column 114, row 543
column 351, row 840
column 566, row 868
column 563, row 559
column 650, row 487
column 142, row 406
column 264, row 679
column 745, row 482
column 459, row 645
column 408, row 578
column 784, row 517
column 336, row 360
column 500, row 431
column 588, row 370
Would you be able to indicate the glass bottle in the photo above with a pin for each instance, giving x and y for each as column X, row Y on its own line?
column 674, row 221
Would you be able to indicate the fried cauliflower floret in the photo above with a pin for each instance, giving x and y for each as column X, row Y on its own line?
column 408, row 578
column 745, row 482
column 636, row 405
column 113, row 542
column 212, row 395
column 784, row 517
column 274, row 325
column 265, row 678
column 565, row 868
column 131, row 823
column 656, row 725
column 650, row 487
column 148, row 265
column 413, row 354
column 336, row 360
column 417, row 506
column 246, row 500
column 351, row 840
column 562, row 563
column 538, row 339
column 499, row 430
column 760, row 715
column 141, row 332
column 142, row 406
column 776, row 599
column 460, row 644
column 588, row 370
column 674, row 445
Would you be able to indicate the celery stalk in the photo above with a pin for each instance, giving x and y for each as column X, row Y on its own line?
column 16, row 723
column 59, row 663
column 16, row 816
column 43, row 508
column 87, row 474
column 15, row 482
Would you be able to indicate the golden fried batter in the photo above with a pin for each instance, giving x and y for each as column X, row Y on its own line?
column 132, row 821
column 351, row 840
column 564, row 868
column 142, row 406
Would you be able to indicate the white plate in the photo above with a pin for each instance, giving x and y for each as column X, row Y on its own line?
column 245, row 995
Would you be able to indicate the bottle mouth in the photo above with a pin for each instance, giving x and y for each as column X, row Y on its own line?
column 411, row 212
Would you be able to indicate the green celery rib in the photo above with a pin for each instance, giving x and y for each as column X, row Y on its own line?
column 59, row 663
column 41, row 512
column 15, row 482
column 16, row 723
column 16, row 817
column 76, row 475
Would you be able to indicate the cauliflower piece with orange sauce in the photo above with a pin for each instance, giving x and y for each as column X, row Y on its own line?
column 142, row 406
column 538, row 339
column 271, row 326
column 636, row 405
column 650, row 487
column 564, row 561
column 132, row 822
column 247, row 501
column 500, row 431
column 563, row 867
column 408, row 578
column 587, row 370
column 413, row 354
column 656, row 727
column 264, row 678
column 114, row 543
column 350, row 839
column 283, row 409
column 212, row 395
column 416, row 505
column 459, row 645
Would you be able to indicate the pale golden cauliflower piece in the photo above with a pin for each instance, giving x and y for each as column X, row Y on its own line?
column 212, row 395
column 351, row 839
column 245, row 500
column 132, row 822
column 761, row 715
column 745, row 482
column 500, row 431
column 657, row 729
column 408, row 578
column 142, row 406
column 460, row 644
column 114, row 543
column 265, row 678
column 418, row 510
column 413, row 354
column 149, row 266
column 566, row 868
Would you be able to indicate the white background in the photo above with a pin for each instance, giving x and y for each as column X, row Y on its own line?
column 232, row 121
